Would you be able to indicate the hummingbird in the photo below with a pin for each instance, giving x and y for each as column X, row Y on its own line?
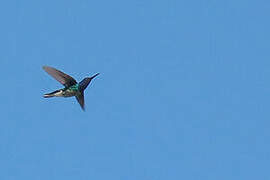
column 72, row 88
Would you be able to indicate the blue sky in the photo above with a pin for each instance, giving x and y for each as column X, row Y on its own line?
column 183, row 91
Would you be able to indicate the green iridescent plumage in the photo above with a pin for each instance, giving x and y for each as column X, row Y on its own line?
column 72, row 88
column 71, row 91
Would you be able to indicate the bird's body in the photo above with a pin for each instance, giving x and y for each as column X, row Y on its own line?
column 72, row 88
column 64, row 92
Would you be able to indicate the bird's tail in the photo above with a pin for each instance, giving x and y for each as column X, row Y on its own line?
column 48, row 95
column 52, row 94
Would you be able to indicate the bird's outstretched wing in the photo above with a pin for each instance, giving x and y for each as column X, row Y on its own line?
column 61, row 77
column 80, row 99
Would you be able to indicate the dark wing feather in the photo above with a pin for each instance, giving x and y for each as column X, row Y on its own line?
column 80, row 99
column 61, row 77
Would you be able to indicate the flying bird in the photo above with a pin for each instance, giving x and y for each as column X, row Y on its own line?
column 72, row 88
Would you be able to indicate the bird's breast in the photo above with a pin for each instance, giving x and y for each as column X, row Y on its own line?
column 69, row 92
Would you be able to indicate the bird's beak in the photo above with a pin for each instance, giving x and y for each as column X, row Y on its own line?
column 94, row 76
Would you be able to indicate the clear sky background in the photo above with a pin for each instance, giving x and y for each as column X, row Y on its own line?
column 183, row 90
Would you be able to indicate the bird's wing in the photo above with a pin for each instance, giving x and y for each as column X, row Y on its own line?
column 80, row 99
column 61, row 77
